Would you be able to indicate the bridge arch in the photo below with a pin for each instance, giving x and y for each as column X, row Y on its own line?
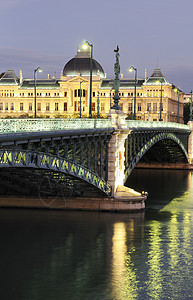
column 11, row 158
column 149, row 144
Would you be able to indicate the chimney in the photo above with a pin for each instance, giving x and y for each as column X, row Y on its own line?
column 145, row 74
column 21, row 77
column 48, row 76
column 121, row 76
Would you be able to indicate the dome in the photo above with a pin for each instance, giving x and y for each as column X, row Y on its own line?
column 80, row 65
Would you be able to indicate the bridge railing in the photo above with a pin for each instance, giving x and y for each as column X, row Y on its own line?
column 153, row 124
column 33, row 125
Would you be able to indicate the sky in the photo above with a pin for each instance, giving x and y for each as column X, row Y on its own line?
column 150, row 34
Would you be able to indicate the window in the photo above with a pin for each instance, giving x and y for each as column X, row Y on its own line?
column 121, row 105
column 102, row 106
column 47, row 106
column 65, row 106
column 65, row 94
column 6, row 106
column 75, row 93
column 1, row 106
column 79, row 93
column 30, row 106
column 76, row 106
column 130, row 107
column 93, row 106
column 39, row 107
column 148, row 106
column 56, row 106
column 12, row 106
column 21, row 106
column 139, row 106
column 154, row 106
column 93, row 94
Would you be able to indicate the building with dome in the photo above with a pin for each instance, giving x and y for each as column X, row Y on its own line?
column 61, row 97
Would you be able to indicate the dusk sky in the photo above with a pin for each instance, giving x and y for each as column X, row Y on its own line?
column 150, row 34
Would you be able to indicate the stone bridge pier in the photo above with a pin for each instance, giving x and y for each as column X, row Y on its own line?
column 116, row 160
column 190, row 143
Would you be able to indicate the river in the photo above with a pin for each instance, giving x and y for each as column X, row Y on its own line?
column 86, row 255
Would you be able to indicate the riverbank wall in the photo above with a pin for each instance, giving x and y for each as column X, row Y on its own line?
column 78, row 203
column 177, row 166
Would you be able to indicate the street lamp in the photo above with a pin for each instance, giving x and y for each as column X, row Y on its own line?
column 110, row 97
column 160, row 107
column 80, row 98
column 39, row 70
column 190, row 106
column 91, row 53
column 98, row 107
column 178, row 111
column 131, row 69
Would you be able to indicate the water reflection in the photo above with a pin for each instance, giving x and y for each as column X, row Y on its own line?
column 124, row 281
column 155, row 256
column 68, row 255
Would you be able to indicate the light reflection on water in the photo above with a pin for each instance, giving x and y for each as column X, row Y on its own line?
column 76, row 255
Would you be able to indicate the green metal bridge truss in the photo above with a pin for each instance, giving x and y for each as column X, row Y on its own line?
column 35, row 160
column 172, row 143
column 75, row 159
column 73, row 153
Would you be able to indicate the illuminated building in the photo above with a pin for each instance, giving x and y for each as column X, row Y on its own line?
column 61, row 97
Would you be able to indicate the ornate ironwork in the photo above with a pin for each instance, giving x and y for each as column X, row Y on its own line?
column 28, row 159
column 34, row 125
column 136, row 149
column 152, row 124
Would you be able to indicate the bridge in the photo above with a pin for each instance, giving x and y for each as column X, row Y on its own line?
column 84, row 157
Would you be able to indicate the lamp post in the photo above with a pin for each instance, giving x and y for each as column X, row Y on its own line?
column 35, row 71
column 190, row 106
column 178, row 111
column 110, row 97
column 132, row 68
column 91, row 54
column 98, row 107
column 80, row 98
column 160, row 107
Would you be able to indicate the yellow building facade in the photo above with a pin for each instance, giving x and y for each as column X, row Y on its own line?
column 62, row 97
